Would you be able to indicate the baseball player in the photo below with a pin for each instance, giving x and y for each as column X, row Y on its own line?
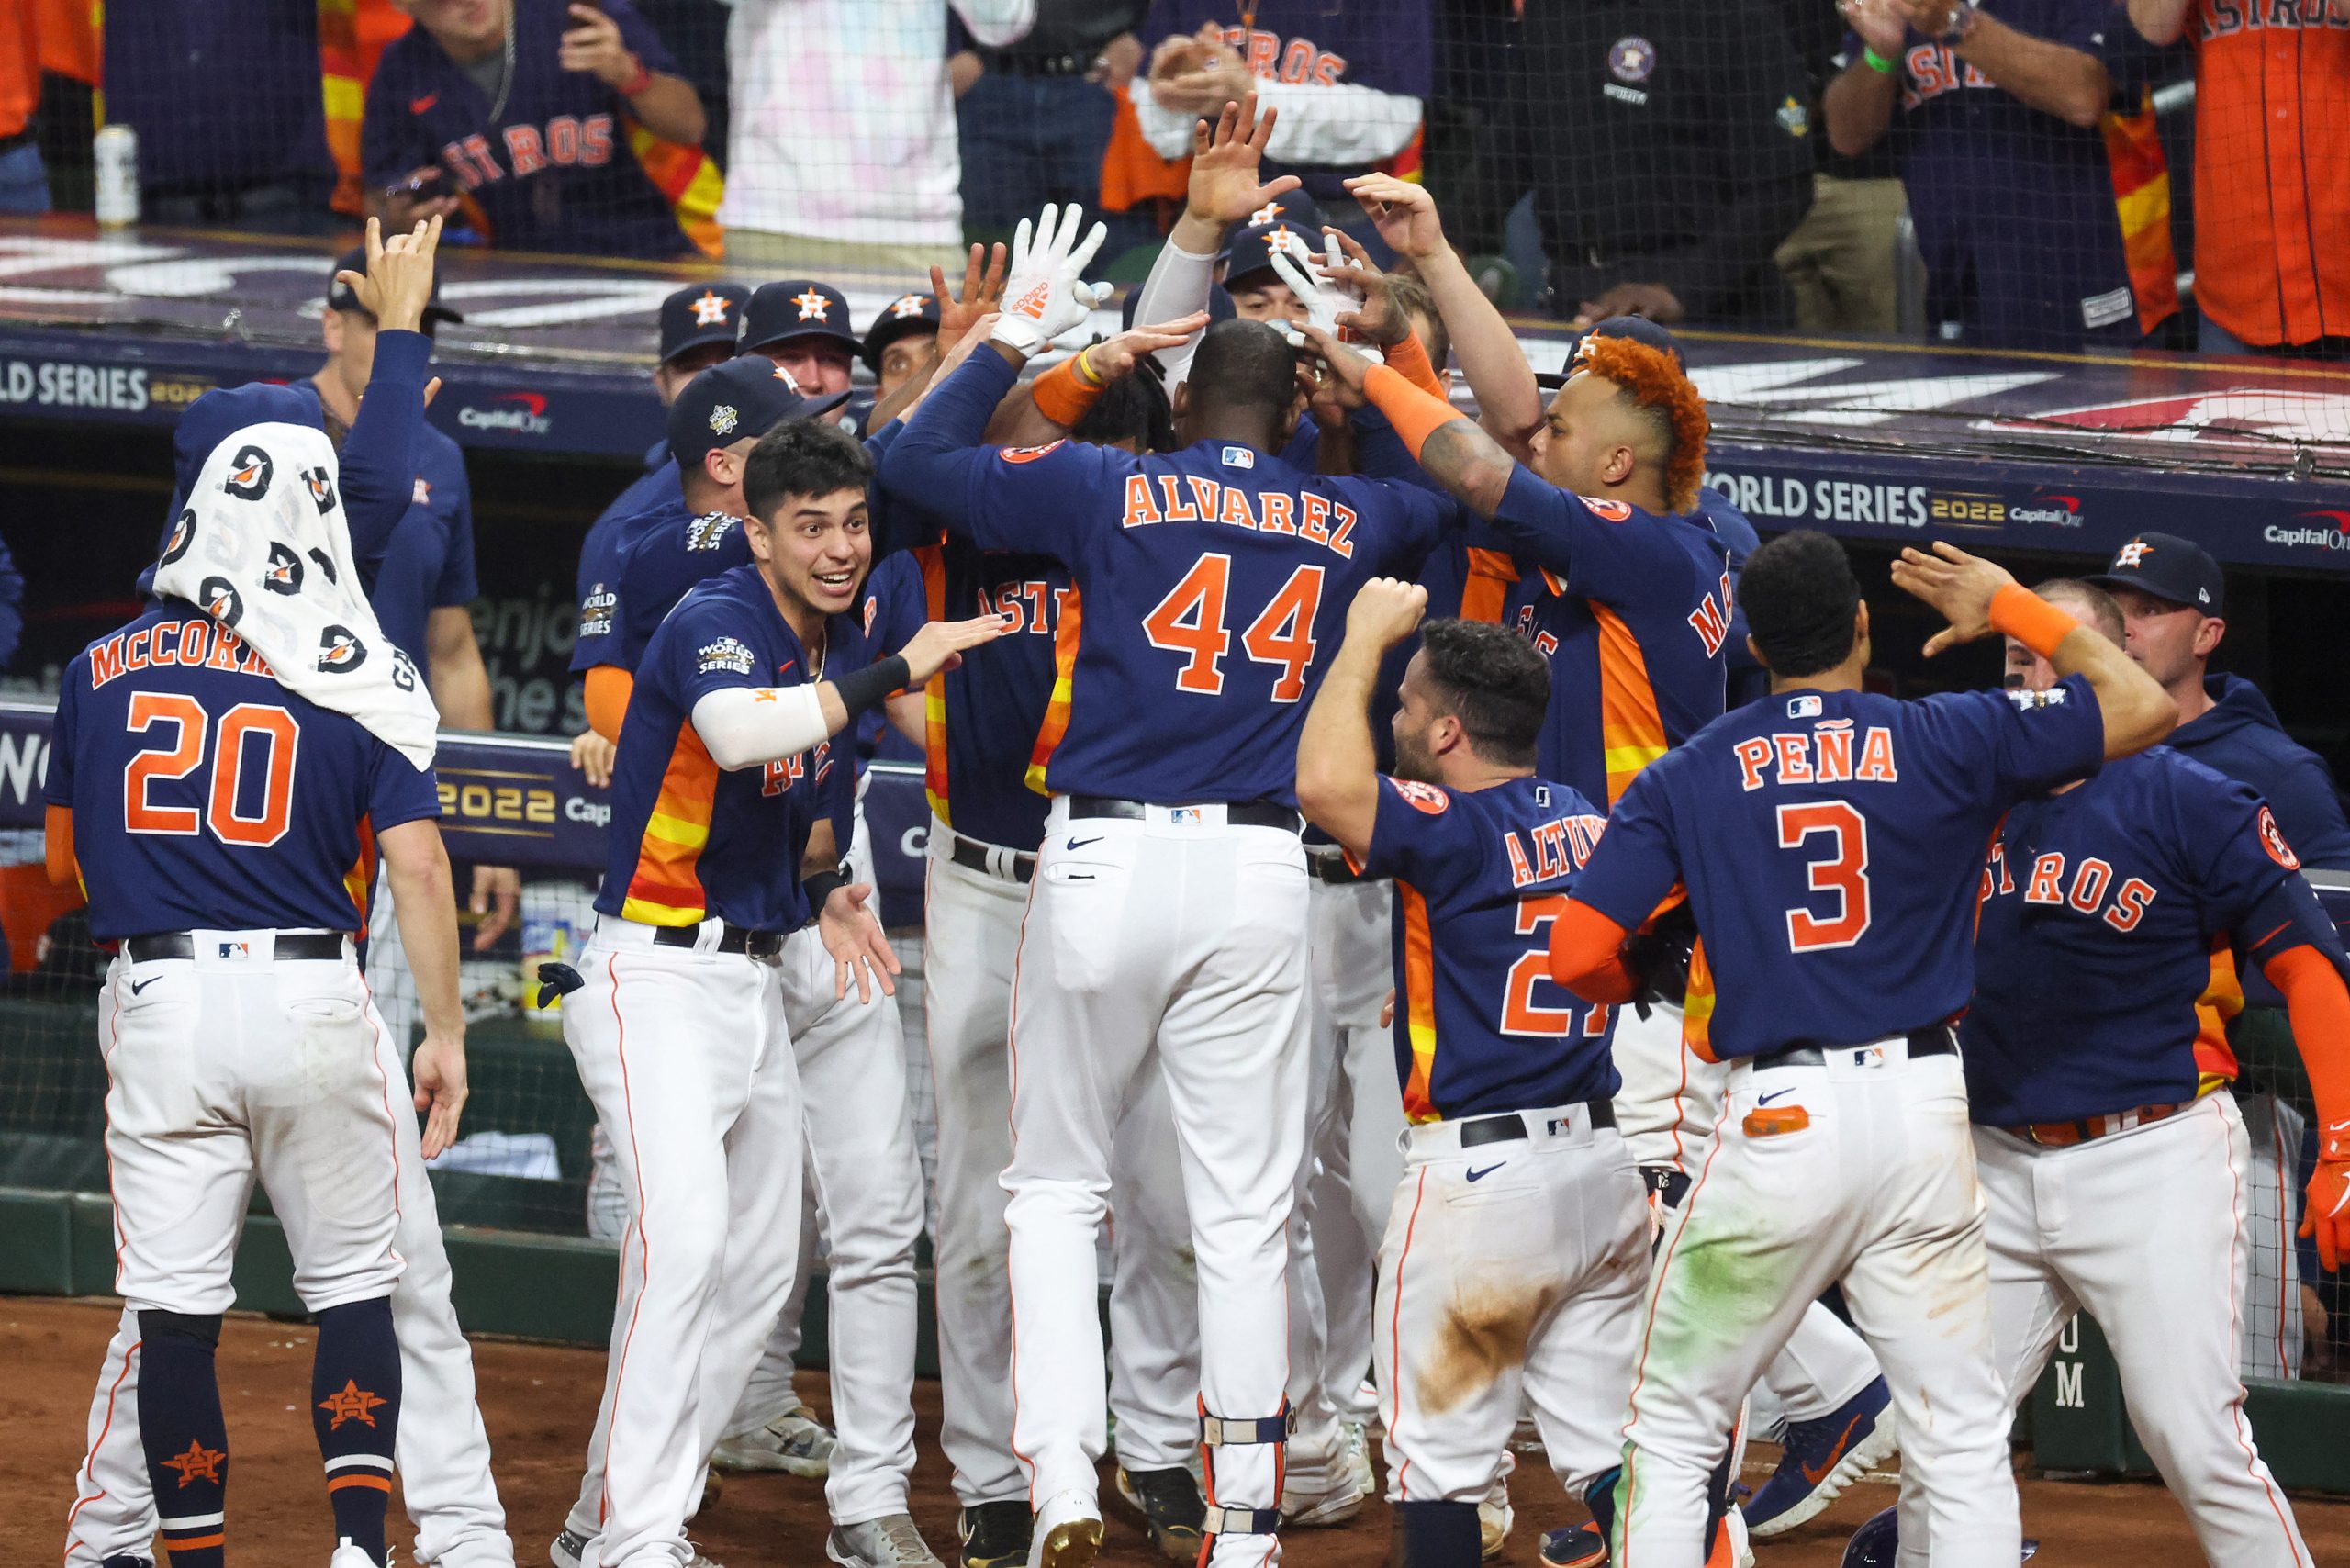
column 224, row 769
column 719, row 809
column 1515, row 1253
column 1824, row 835
column 2100, row 905
column 1169, row 901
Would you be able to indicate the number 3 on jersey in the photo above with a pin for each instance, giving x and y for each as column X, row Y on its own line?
column 1192, row 621
column 1843, row 872
column 244, row 724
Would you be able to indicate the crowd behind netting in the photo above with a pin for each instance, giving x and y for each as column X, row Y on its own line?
column 2041, row 174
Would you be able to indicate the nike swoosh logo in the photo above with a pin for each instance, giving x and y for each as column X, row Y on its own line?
column 138, row 986
column 1488, row 1170
column 1081, row 843
column 417, row 105
column 1835, row 1454
column 1774, row 1095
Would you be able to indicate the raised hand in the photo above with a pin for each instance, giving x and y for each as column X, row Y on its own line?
column 1377, row 320
column 1347, row 364
column 940, row 643
column 397, row 284
column 1386, row 610
column 1405, row 214
column 1118, row 356
column 1958, row 585
column 1226, row 157
column 982, row 292
column 1326, row 298
column 1045, row 293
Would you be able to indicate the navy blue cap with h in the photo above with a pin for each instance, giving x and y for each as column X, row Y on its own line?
column 1640, row 328
column 902, row 317
column 341, row 298
column 2168, row 567
column 740, row 400
column 798, row 307
column 700, row 314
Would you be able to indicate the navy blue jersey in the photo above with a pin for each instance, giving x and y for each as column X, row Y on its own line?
column 430, row 562
column 1214, row 582
column 552, row 171
column 672, row 553
column 659, row 484
column 207, row 796
column 1480, row 1025
column 2100, row 908
column 603, row 561
column 1633, row 610
column 688, row 840
column 1830, row 842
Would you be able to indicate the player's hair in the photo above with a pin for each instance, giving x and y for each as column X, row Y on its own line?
column 802, row 457
column 1798, row 592
column 1648, row 379
column 1409, row 295
column 2105, row 611
column 1245, row 365
column 1492, row 681
column 1131, row 407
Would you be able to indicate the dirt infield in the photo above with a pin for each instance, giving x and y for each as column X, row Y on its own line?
column 539, row 1401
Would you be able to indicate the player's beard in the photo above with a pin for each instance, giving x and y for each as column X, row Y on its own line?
column 1413, row 759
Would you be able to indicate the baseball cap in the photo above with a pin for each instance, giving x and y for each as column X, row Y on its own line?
column 699, row 314
column 341, row 298
column 799, row 307
column 1640, row 328
column 1251, row 248
column 2170, row 568
column 906, row 314
column 749, row 396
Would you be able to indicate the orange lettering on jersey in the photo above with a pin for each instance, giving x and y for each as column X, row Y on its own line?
column 252, row 663
column 105, row 661
column 522, row 148
column 2090, row 884
column 134, row 652
column 196, row 641
column 1177, row 510
column 1752, row 753
column 1210, row 495
column 1345, row 517
column 1521, row 872
column 1314, row 516
column 1275, row 507
column 1262, row 48
column 1551, row 850
column 1795, row 759
column 1710, row 624
column 1832, row 741
column 1140, row 508
column 2047, row 881
column 228, row 650
column 1297, row 60
column 1876, row 757
column 1236, row 511
column 2129, row 905
column 1582, row 837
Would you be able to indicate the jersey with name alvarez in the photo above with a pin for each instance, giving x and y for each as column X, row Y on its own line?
column 1633, row 610
column 688, row 840
column 2099, row 910
column 1480, row 1025
column 207, row 796
column 1831, row 843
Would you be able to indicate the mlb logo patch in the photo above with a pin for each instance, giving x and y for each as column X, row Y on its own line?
column 1239, row 457
column 1806, row 707
column 1184, row 816
column 1869, row 1056
column 237, row 950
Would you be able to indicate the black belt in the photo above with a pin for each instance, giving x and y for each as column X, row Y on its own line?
column 181, row 945
column 1331, row 865
column 1240, row 813
column 1509, row 1126
column 732, row 938
column 1933, row 1042
column 971, row 854
column 14, row 140
column 1007, row 62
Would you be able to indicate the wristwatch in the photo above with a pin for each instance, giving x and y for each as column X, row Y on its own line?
column 1961, row 23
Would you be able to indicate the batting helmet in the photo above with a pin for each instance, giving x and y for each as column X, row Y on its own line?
column 1877, row 1543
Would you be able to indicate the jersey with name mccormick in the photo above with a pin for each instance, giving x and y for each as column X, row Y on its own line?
column 1480, row 1025
column 1831, row 843
column 207, row 796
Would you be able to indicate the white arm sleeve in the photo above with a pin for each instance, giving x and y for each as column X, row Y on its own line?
column 745, row 727
column 1178, row 283
column 1343, row 125
column 1168, row 133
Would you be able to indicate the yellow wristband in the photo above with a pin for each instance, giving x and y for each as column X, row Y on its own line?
column 1086, row 375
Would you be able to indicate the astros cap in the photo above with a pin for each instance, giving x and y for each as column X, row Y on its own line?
column 1289, row 221
column 341, row 298
column 745, row 397
column 1640, row 328
column 907, row 314
column 699, row 314
column 2168, row 567
column 798, row 307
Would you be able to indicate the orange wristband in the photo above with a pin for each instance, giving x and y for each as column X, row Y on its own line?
column 1417, row 415
column 1409, row 359
column 2030, row 619
column 1062, row 398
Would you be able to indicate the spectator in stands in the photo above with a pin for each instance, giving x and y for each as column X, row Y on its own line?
column 900, row 341
column 23, row 183
column 1036, row 114
column 526, row 115
column 1350, row 83
column 1840, row 259
column 1996, row 123
column 2173, row 598
column 842, row 146
column 803, row 326
column 231, row 115
column 2272, row 210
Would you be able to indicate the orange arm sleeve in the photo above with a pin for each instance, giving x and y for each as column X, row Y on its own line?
column 1415, row 414
column 1062, row 398
column 58, row 844
column 1409, row 359
column 1588, row 954
column 2318, row 1006
column 608, row 691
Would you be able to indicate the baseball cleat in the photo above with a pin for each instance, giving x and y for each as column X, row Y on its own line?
column 1494, row 1517
column 1822, row 1458
column 794, row 1442
column 1315, row 1510
column 995, row 1535
column 889, row 1541
column 1878, row 1543
column 1067, row 1531
column 1578, row 1545
column 348, row 1555
column 1170, row 1506
column 1357, row 1446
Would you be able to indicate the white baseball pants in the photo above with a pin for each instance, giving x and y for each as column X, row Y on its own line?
column 688, row 1059
column 972, row 940
column 444, row 1462
column 1511, row 1273
column 1860, row 1170
column 2142, row 1231
column 1182, row 931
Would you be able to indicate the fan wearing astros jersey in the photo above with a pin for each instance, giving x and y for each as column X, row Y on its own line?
column 1519, row 1204
column 1168, row 905
column 1827, row 838
column 2100, row 906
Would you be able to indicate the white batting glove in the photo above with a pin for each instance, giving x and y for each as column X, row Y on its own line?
column 1043, row 291
column 1325, row 300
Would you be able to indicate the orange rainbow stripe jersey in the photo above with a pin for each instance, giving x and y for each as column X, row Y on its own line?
column 690, row 842
column 1631, row 607
column 1480, row 1025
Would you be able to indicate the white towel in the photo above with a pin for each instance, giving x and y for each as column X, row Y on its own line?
column 262, row 546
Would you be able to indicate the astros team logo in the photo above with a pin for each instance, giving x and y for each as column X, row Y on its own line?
column 1631, row 59
column 221, row 601
column 2272, row 839
column 814, row 307
column 249, row 480
column 352, row 1404
column 321, row 485
column 2133, row 553
column 1025, row 453
column 183, row 535
column 340, row 651
column 1284, row 238
column 908, row 306
column 1265, row 214
column 1614, row 511
column 709, row 310
column 199, row 1463
column 1423, row 797
column 285, row 574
